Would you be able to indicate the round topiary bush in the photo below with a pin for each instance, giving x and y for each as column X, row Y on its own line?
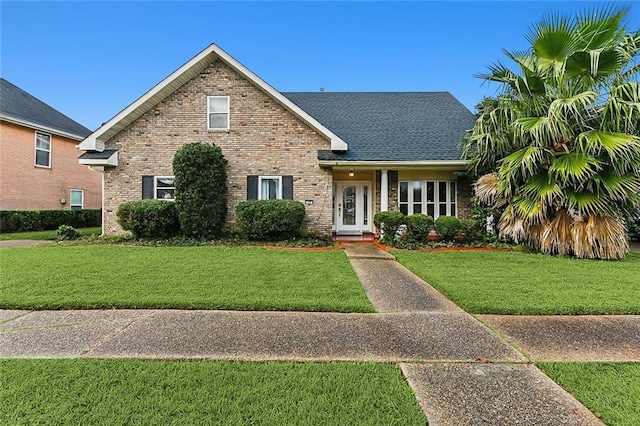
column 149, row 218
column 418, row 226
column 66, row 233
column 448, row 227
column 201, row 189
column 389, row 222
column 270, row 219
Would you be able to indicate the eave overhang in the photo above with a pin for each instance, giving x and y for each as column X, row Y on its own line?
column 106, row 158
column 40, row 127
column 393, row 165
column 96, row 141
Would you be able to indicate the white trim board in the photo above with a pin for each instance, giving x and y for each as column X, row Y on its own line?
column 96, row 140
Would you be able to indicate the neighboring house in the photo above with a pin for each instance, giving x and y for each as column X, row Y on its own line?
column 39, row 167
column 344, row 155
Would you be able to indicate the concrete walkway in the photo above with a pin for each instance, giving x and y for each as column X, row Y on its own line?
column 461, row 371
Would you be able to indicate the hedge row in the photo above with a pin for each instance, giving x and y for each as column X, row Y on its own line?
column 43, row 220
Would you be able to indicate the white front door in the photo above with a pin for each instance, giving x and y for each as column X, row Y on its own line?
column 352, row 207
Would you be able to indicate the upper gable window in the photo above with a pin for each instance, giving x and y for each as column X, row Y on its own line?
column 218, row 112
column 43, row 150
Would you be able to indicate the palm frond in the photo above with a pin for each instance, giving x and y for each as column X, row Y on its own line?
column 574, row 167
column 600, row 28
column 512, row 226
column 486, row 188
column 586, row 203
column 556, row 238
column 600, row 237
column 525, row 162
column 541, row 187
column 621, row 148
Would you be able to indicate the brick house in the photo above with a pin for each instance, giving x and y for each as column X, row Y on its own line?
column 344, row 155
column 39, row 167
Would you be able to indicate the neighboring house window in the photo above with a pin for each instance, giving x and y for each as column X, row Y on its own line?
column 433, row 198
column 164, row 188
column 218, row 112
column 269, row 187
column 76, row 199
column 43, row 149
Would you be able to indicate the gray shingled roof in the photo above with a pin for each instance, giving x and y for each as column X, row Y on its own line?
column 98, row 155
column 18, row 104
column 390, row 126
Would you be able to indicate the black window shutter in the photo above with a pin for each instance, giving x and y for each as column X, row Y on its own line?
column 252, row 187
column 287, row 187
column 147, row 187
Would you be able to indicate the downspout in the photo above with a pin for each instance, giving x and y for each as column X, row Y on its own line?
column 101, row 198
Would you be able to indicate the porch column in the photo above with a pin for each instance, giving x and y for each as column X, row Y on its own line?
column 384, row 191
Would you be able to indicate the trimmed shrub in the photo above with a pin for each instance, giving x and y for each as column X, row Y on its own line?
column 448, row 227
column 389, row 222
column 472, row 230
column 633, row 228
column 66, row 232
column 201, row 189
column 270, row 219
column 44, row 220
column 149, row 218
column 418, row 226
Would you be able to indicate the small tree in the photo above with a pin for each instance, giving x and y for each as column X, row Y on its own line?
column 201, row 189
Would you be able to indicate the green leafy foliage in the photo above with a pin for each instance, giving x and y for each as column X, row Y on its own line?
column 201, row 189
column 389, row 222
column 448, row 227
column 42, row 220
column 270, row 219
column 418, row 226
column 633, row 228
column 149, row 218
column 564, row 136
column 66, row 232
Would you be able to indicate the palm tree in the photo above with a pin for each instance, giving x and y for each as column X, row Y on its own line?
column 559, row 147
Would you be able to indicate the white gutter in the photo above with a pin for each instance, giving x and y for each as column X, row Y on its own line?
column 41, row 127
column 392, row 164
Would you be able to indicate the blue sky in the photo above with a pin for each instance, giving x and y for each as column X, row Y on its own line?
column 89, row 60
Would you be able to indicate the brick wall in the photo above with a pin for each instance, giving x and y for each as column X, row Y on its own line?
column 264, row 139
column 23, row 186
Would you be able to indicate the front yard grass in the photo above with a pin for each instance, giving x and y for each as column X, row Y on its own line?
column 46, row 235
column 240, row 278
column 493, row 282
column 610, row 390
column 85, row 391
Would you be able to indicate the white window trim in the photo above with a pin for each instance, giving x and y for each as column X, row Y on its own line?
column 436, row 197
column 155, row 188
column 36, row 149
column 71, row 205
column 219, row 129
column 261, row 178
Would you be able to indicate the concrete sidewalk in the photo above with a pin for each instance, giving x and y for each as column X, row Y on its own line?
column 461, row 371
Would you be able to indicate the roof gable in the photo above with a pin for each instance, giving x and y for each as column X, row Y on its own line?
column 20, row 107
column 96, row 141
column 390, row 126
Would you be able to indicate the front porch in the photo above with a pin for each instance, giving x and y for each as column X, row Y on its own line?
column 359, row 193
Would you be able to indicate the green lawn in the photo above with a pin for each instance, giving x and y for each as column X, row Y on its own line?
column 609, row 390
column 493, row 282
column 84, row 391
column 45, row 235
column 242, row 278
